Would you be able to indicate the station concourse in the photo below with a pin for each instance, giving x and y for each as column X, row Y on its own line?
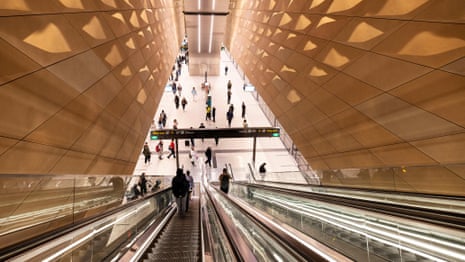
column 368, row 97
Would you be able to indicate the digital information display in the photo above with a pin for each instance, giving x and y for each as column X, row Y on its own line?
column 215, row 132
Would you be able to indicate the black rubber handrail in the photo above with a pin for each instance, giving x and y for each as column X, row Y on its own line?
column 438, row 217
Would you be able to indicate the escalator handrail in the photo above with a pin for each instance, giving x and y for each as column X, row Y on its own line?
column 252, row 173
column 231, row 171
column 240, row 247
column 34, row 242
column 438, row 217
column 301, row 244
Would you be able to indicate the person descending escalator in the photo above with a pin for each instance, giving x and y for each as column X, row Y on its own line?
column 224, row 180
column 179, row 188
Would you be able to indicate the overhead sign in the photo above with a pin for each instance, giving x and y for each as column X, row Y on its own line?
column 214, row 133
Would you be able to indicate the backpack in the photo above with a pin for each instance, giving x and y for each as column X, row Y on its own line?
column 179, row 186
column 157, row 148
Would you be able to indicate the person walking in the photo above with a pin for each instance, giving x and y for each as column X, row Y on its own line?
column 194, row 94
column 243, row 109
column 208, row 113
column 224, row 180
column 229, row 85
column 226, row 70
column 189, row 179
column 176, row 101
column 143, row 184
column 192, row 155
column 213, row 113
column 183, row 103
column 229, row 96
column 208, row 154
column 171, row 149
column 159, row 150
column 229, row 117
column 175, row 124
column 244, row 124
column 179, row 188
column 147, row 154
column 164, row 118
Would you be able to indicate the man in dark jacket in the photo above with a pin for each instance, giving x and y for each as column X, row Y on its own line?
column 208, row 154
column 180, row 187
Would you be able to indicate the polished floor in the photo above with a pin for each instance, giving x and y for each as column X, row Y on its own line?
column 234, row 151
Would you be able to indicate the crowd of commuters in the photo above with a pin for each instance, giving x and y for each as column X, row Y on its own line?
column 182, row 183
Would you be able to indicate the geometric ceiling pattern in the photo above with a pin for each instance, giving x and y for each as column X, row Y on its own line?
column 371, row 92
column 80, row 82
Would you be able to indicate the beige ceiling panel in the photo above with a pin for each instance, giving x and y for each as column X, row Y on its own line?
column 118, row 22
column 14, row 63
column 115, row 141
column 73, row 163
column 327, row 27
column 35, row 158
column 457, row 67
column 6, row 143
column 65, row 127
column 402, row 155
column 95, row 137
column 438, row 92
column 435, row 179
column 308, row 151
column 46, row 39
column 459, row 170
column 327, row 102
column 350, row 89
column 445, row 43
column 360, row 159
column 365, row 33
column 321, row 145
column 405, row 120
column 320, row 73
column 297, row 5
column 105, row 90
column 131, row 113
column 384, row 72
column 102, row 165
column 28, row 102
column 80, row 71
column 311, row 46
column 363, row 129
column 340, row 140
column 394, row 9
column 124, row 72
column 22, row 7
column 444, row 11
column 128, row 146
column 446, row 149
column 92, row 27
column 111, row 53
column 119, row 104
column 305, row 86
column 338, row 56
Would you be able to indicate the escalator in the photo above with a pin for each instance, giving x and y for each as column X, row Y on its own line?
column 362, row 231
column 180, row 240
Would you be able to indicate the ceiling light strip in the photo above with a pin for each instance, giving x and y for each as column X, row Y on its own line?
column 212, row 19
column 199, row 26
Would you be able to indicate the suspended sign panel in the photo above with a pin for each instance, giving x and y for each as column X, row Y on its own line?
column 215, row 132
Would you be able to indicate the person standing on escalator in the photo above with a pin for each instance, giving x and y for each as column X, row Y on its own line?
column 224, row 180
column 180, row 188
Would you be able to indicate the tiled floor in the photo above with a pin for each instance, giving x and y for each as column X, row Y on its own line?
column 236, row 151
